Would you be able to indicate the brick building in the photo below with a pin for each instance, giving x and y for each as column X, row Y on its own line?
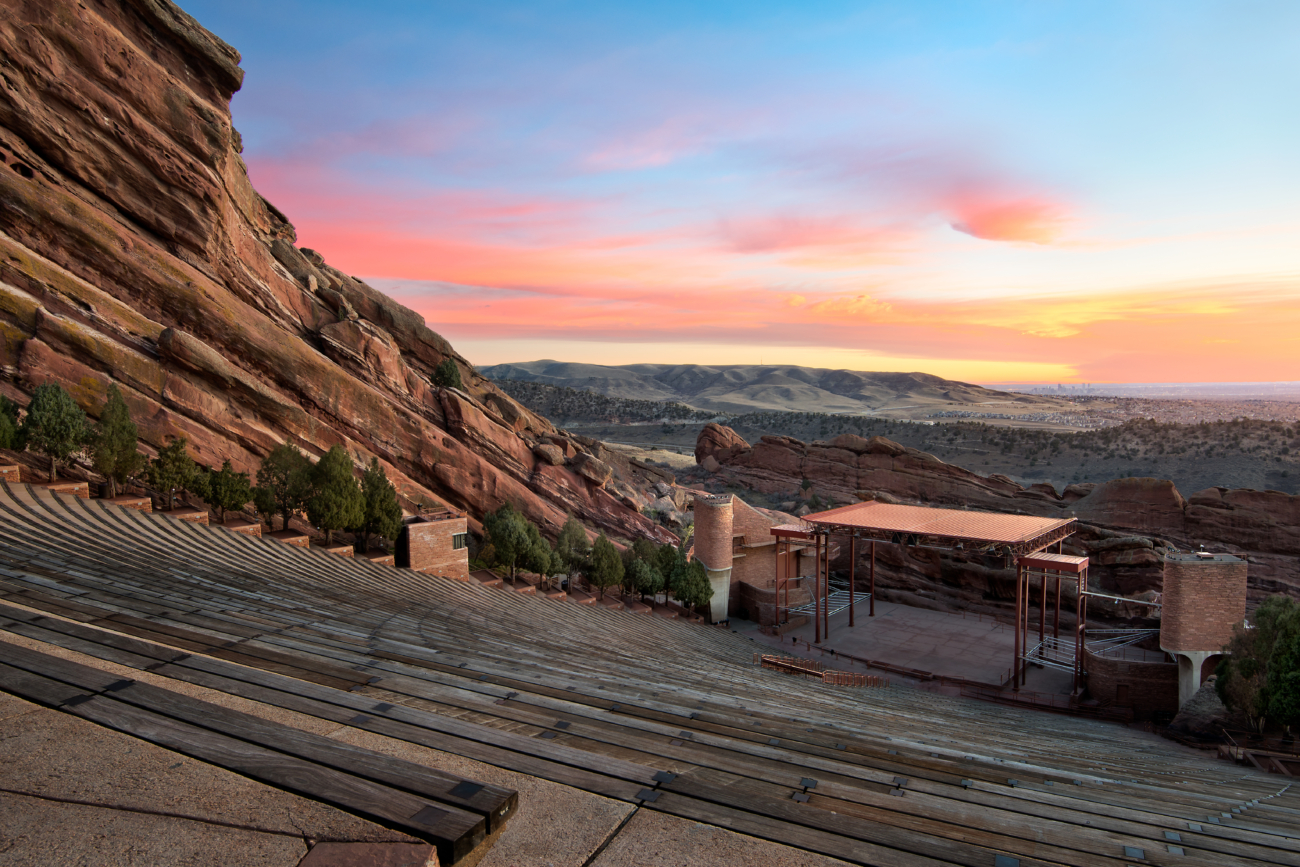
column 435, row 542
column 1204, row 597
column 734, row 542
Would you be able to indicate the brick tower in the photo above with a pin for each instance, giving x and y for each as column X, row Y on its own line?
column 713, row 547
column 1204, row 597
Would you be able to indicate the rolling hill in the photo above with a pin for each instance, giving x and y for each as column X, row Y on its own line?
column 750, row 387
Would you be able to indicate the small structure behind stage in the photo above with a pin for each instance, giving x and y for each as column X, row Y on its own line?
column 734, row 544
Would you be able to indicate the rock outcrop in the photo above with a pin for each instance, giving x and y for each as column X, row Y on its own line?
column 1125, row 525
column 134, row 249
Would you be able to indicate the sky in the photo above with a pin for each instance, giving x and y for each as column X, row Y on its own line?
column 1035, row 191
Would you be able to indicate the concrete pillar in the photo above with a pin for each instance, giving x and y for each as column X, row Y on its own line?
column 720, row 581
column 1189, row 672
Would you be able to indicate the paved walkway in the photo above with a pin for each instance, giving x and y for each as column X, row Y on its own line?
column 939, row 642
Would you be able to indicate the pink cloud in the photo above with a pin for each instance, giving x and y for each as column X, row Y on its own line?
column 1025, row 220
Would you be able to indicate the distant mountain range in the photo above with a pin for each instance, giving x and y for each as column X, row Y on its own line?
column 746, row 388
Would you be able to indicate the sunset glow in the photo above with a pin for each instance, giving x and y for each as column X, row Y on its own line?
column 987, row 192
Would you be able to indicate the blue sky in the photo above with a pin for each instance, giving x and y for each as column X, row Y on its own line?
column 989, row 191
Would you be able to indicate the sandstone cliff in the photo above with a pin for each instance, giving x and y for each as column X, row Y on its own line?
column 134, row 249
column 1125, row 524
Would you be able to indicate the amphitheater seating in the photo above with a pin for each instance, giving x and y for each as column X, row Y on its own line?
column 667, row 715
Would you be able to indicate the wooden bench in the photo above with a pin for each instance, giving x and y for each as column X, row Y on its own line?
column 449, row 811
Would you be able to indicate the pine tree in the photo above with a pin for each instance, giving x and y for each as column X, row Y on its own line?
column 230, row 490
column 606, row 566
column 114, row 449
column 264, row 502
column 335, row 501
column 380, row 514
column 55, row 426
column 174, row 470
column 285, row 475
column 572, row 545
column 507, row 530
column 693, row 590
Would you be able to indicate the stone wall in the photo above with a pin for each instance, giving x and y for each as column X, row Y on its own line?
column 1148, row 688
column 1203, row 599
column 429, row 545
column 11, row 474
column 760, row 604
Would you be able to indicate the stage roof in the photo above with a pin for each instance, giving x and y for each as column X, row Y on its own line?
column 922, row 525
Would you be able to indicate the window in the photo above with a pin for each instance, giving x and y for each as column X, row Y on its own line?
column 458, row 541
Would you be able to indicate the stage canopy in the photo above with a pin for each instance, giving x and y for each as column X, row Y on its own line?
column 940, row 528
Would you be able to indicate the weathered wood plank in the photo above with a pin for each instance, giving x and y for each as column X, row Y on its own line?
column 455, row 832
column 494, row 803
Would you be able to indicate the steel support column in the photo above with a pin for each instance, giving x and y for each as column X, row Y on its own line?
column 872, row 612
column 1015, row 668
column 853, row 562
column 817, row 588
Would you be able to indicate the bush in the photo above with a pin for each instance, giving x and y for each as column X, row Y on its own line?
column 55, row 426
column 447, row 375
column 113, row 450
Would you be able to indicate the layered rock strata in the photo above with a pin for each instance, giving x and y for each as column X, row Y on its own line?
column 134, row 249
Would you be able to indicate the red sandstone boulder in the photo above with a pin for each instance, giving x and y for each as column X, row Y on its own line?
column 592, row 469
column 715, row 439
column 551, row 454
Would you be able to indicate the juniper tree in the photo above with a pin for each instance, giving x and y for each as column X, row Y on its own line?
column 1263, row 666
column 572, row 545
column 380, row 513
column 55, row 426
column 447, row 375
column 229, row 490
column 335, row 501
column 693, row 588
column 113, row 449
column 285, row 474
column 606, row 566
column 9, row 438
column 174, row 470
column 264, row 502
column 507, row 530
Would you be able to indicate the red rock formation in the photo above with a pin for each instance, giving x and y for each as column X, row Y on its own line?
column 1125, row 524
column 134, row 249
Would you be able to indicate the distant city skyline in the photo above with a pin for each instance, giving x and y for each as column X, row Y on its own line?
column 991, row 192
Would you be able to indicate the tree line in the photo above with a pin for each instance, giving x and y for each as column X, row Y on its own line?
column 511, row 542
column 288, row 481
